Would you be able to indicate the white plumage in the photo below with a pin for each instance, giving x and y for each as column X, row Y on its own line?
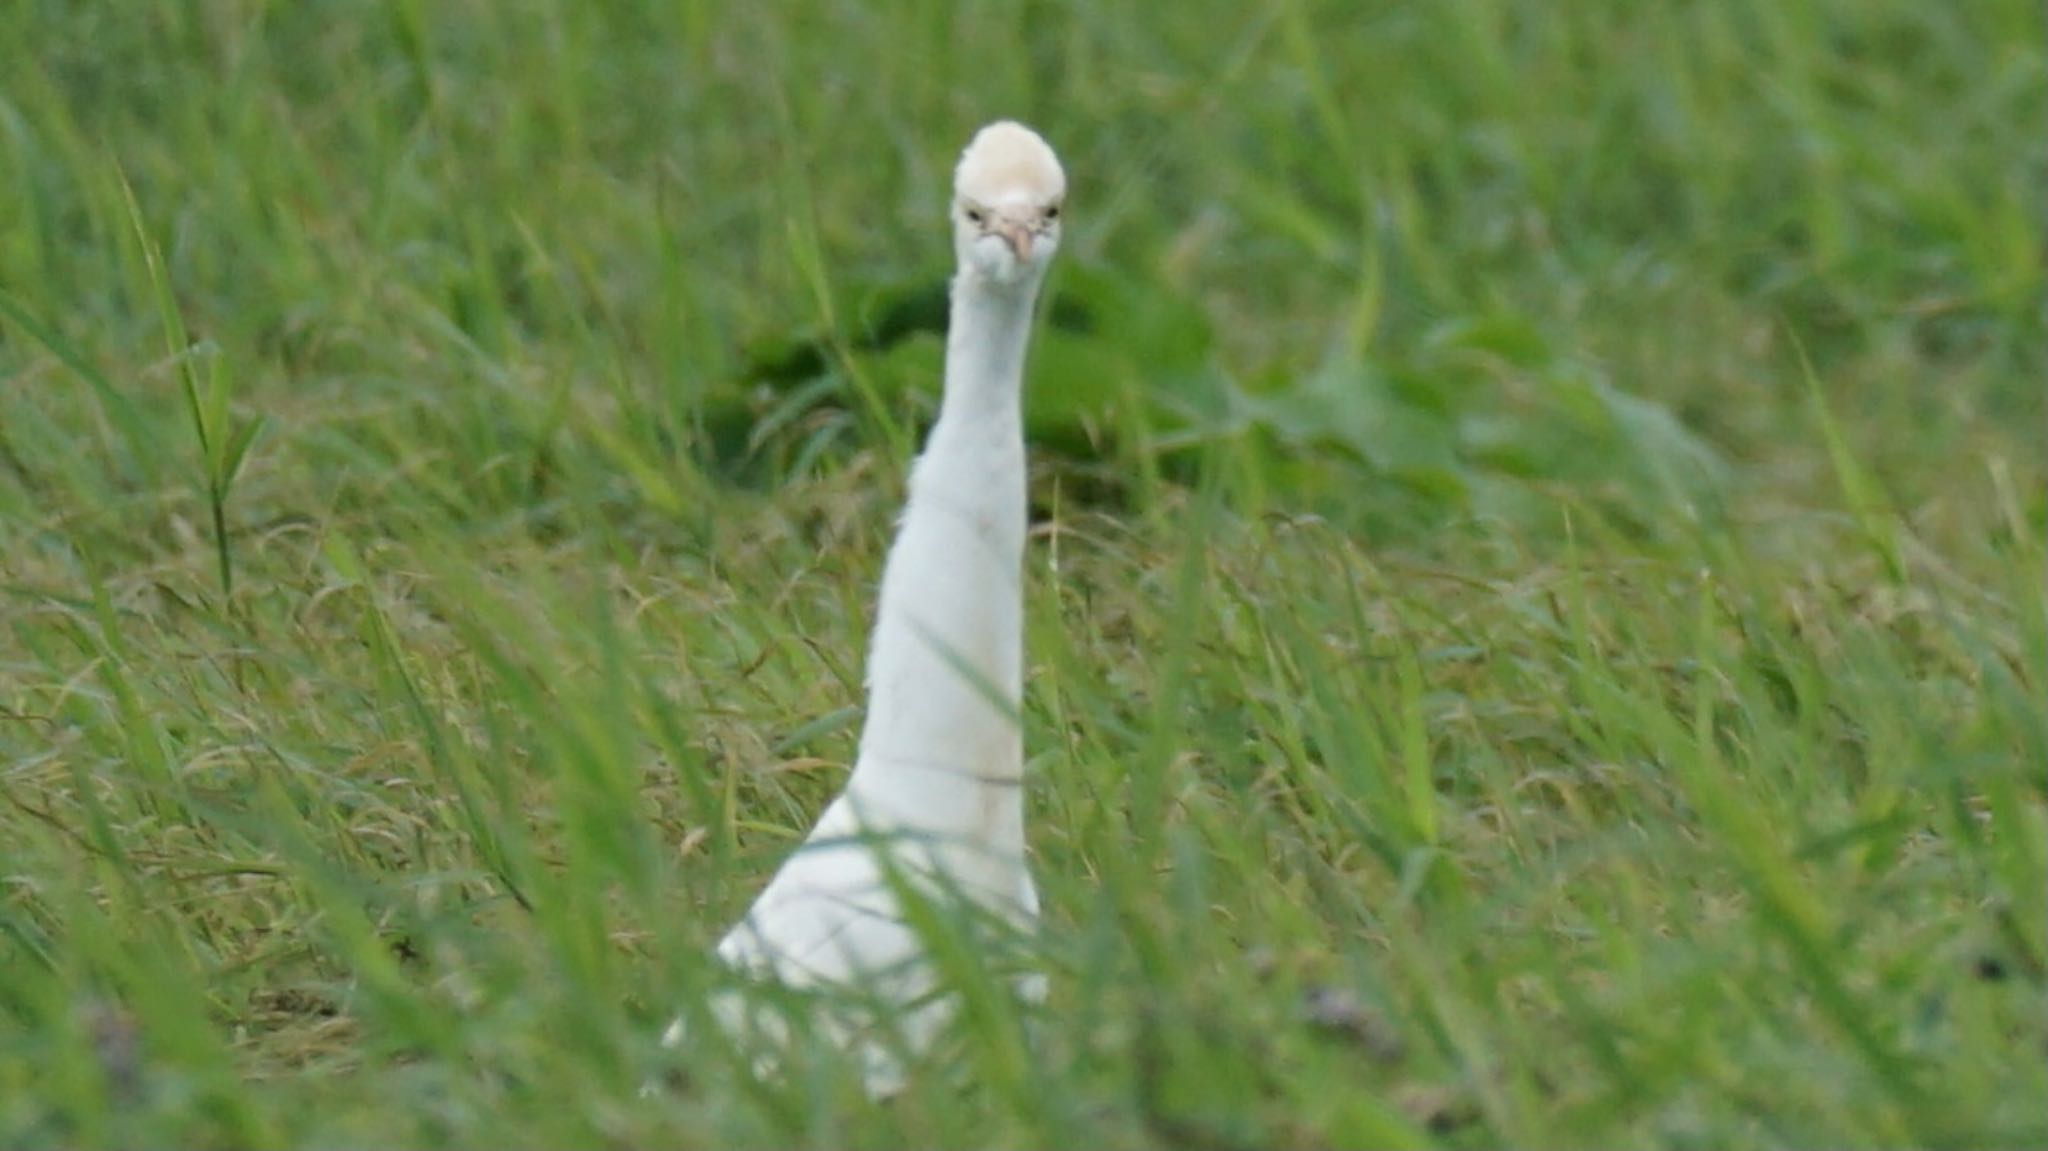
column 938, row 783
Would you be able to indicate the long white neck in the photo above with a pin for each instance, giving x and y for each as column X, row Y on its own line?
column 945, row 675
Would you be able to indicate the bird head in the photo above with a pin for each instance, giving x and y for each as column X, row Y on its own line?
column 1007, row 197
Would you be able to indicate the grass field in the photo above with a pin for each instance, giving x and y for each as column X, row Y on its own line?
column 1537, row 622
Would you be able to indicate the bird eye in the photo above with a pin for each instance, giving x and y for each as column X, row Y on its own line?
column 977, row 217
column 1052, row 212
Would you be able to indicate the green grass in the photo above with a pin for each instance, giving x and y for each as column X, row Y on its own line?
column 1537, row 629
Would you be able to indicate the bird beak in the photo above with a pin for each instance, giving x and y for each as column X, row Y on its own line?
column 1018, row 236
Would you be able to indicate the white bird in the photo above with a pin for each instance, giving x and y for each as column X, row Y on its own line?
column 936, row 794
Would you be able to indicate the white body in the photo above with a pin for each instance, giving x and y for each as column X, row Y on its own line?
column 936, row 795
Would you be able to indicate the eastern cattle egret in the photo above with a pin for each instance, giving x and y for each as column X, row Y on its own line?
column 935, row 799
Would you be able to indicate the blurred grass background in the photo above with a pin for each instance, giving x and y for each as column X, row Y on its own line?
column 1537, row 618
